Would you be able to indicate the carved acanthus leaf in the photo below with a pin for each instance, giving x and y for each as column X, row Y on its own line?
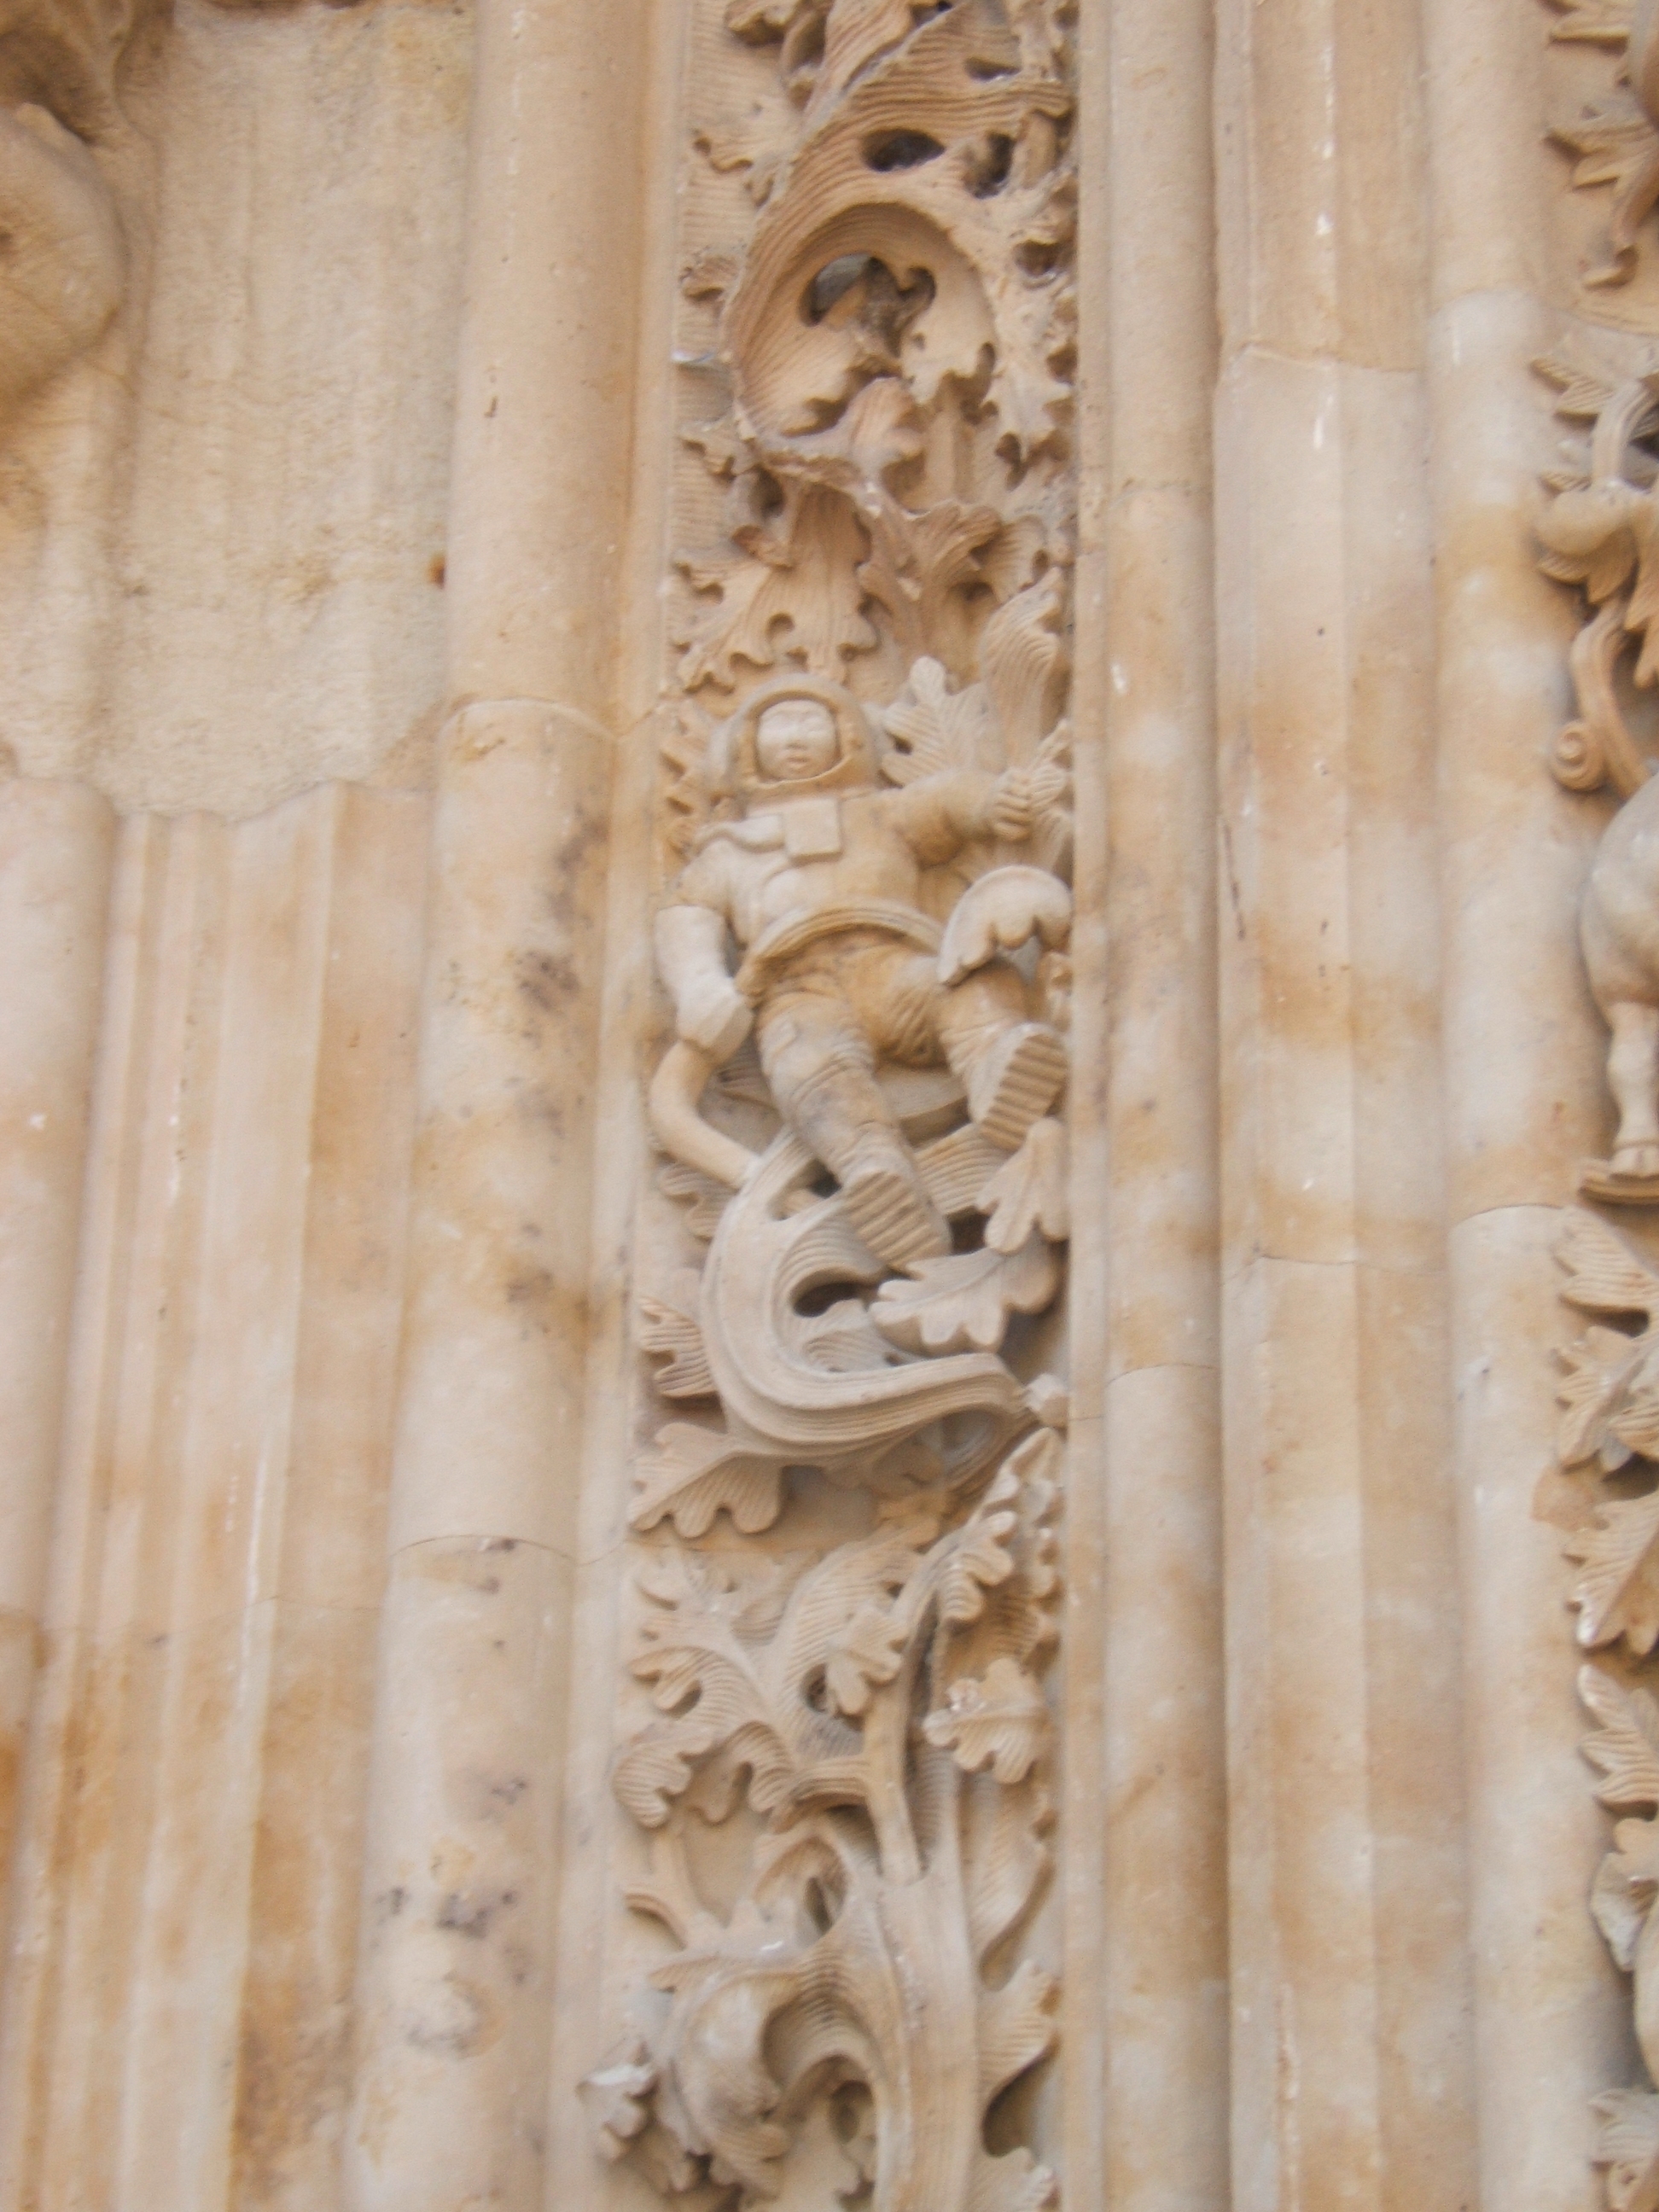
column 691, row 1474
column 1627, row 2144
column 1016, row 2027
column 669, row 1330
column 968, row 1299
column 1611, row 1389
column 999, row 1723
column 1596, row 23
column 709, row 1198
column 1605, row 1274
column 844, row 1945
column 801, row 602
column 761, row 141
column 1626, row 1883
column 935, row 729
column 1617, row 138
column 919, row 563
column 618, row 2097
column 1029, row 1193
column 1625, row 1747
column 1617, row 144
column 1617, row 1594
column 684, row 749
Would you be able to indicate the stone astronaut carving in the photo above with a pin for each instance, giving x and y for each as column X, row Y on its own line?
column 820, row 883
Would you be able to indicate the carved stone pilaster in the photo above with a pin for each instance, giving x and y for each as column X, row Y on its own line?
column 865, row 826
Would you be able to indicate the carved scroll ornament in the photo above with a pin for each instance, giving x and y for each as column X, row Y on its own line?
column 867, row 819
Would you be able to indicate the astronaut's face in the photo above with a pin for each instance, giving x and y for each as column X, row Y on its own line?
column 796, row 740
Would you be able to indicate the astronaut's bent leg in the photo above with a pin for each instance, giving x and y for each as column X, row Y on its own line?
column 821, row 1072
column 1011, row 1067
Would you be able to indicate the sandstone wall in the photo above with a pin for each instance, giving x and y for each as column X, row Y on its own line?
column 424, row 434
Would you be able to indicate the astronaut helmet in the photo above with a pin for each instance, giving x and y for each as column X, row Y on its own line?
column 765, row 753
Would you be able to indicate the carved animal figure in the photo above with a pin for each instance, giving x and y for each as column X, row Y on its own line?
column 820, row 885
column 1619, row 927
column 1601, row 532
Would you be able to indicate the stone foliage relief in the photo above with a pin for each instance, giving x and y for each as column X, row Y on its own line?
column 849, row 1600
column 1598, row 532
column 1615, row 141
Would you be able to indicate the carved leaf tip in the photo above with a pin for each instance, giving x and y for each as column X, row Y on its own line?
column 1625, row 1747
column 1617, row 1594
column 999, row 1723
column 1627, row 2144
column 1596, row 23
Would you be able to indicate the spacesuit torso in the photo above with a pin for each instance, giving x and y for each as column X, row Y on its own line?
column 815, row 855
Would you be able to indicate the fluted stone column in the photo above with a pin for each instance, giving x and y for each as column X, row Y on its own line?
column 1149, row 2025
column 1350, row 2064
column 1525, row 1100
column 55, row 843
column 454, row 2006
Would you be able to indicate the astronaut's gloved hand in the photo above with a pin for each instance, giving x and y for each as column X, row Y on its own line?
column 1011, row 806
column 714, row 1015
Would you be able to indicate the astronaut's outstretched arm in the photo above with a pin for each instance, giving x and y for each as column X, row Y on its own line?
column 710, row 1010
column 941, row 813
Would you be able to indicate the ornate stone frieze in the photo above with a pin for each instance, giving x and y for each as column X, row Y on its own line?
column 848, row 1588
column 1610, row 1437
column 1615, row 140
column 1599, row 533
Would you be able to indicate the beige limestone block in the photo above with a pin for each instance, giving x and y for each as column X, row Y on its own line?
column 1350, row 2060
column 1164, row 1997
column 55, row 852
column 1330, row 961
column 1145, row 2030
column 1552, row 2014
column 1350, row 2050
column 456, row 1958
column 494, row 1327
column 543, row 410
column 1525, row 1094
column 1525, row 1100
column 232, row 1368
column 1319, row 136
column 1492, row 179
column 244, row 598
column 489, row 1446
column 1159, row 956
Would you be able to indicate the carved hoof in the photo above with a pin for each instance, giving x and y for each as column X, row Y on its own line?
column 1630, row 1178
column 893, row 1215
column 1017, row 1083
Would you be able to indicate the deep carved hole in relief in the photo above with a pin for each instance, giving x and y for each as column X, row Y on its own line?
column 1039, row 256
column 990, row 166
column 900, row 149
column 821, row 1296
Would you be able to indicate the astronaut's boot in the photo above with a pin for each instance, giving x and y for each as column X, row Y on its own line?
column 887, row 1205
column 1015, row 1081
